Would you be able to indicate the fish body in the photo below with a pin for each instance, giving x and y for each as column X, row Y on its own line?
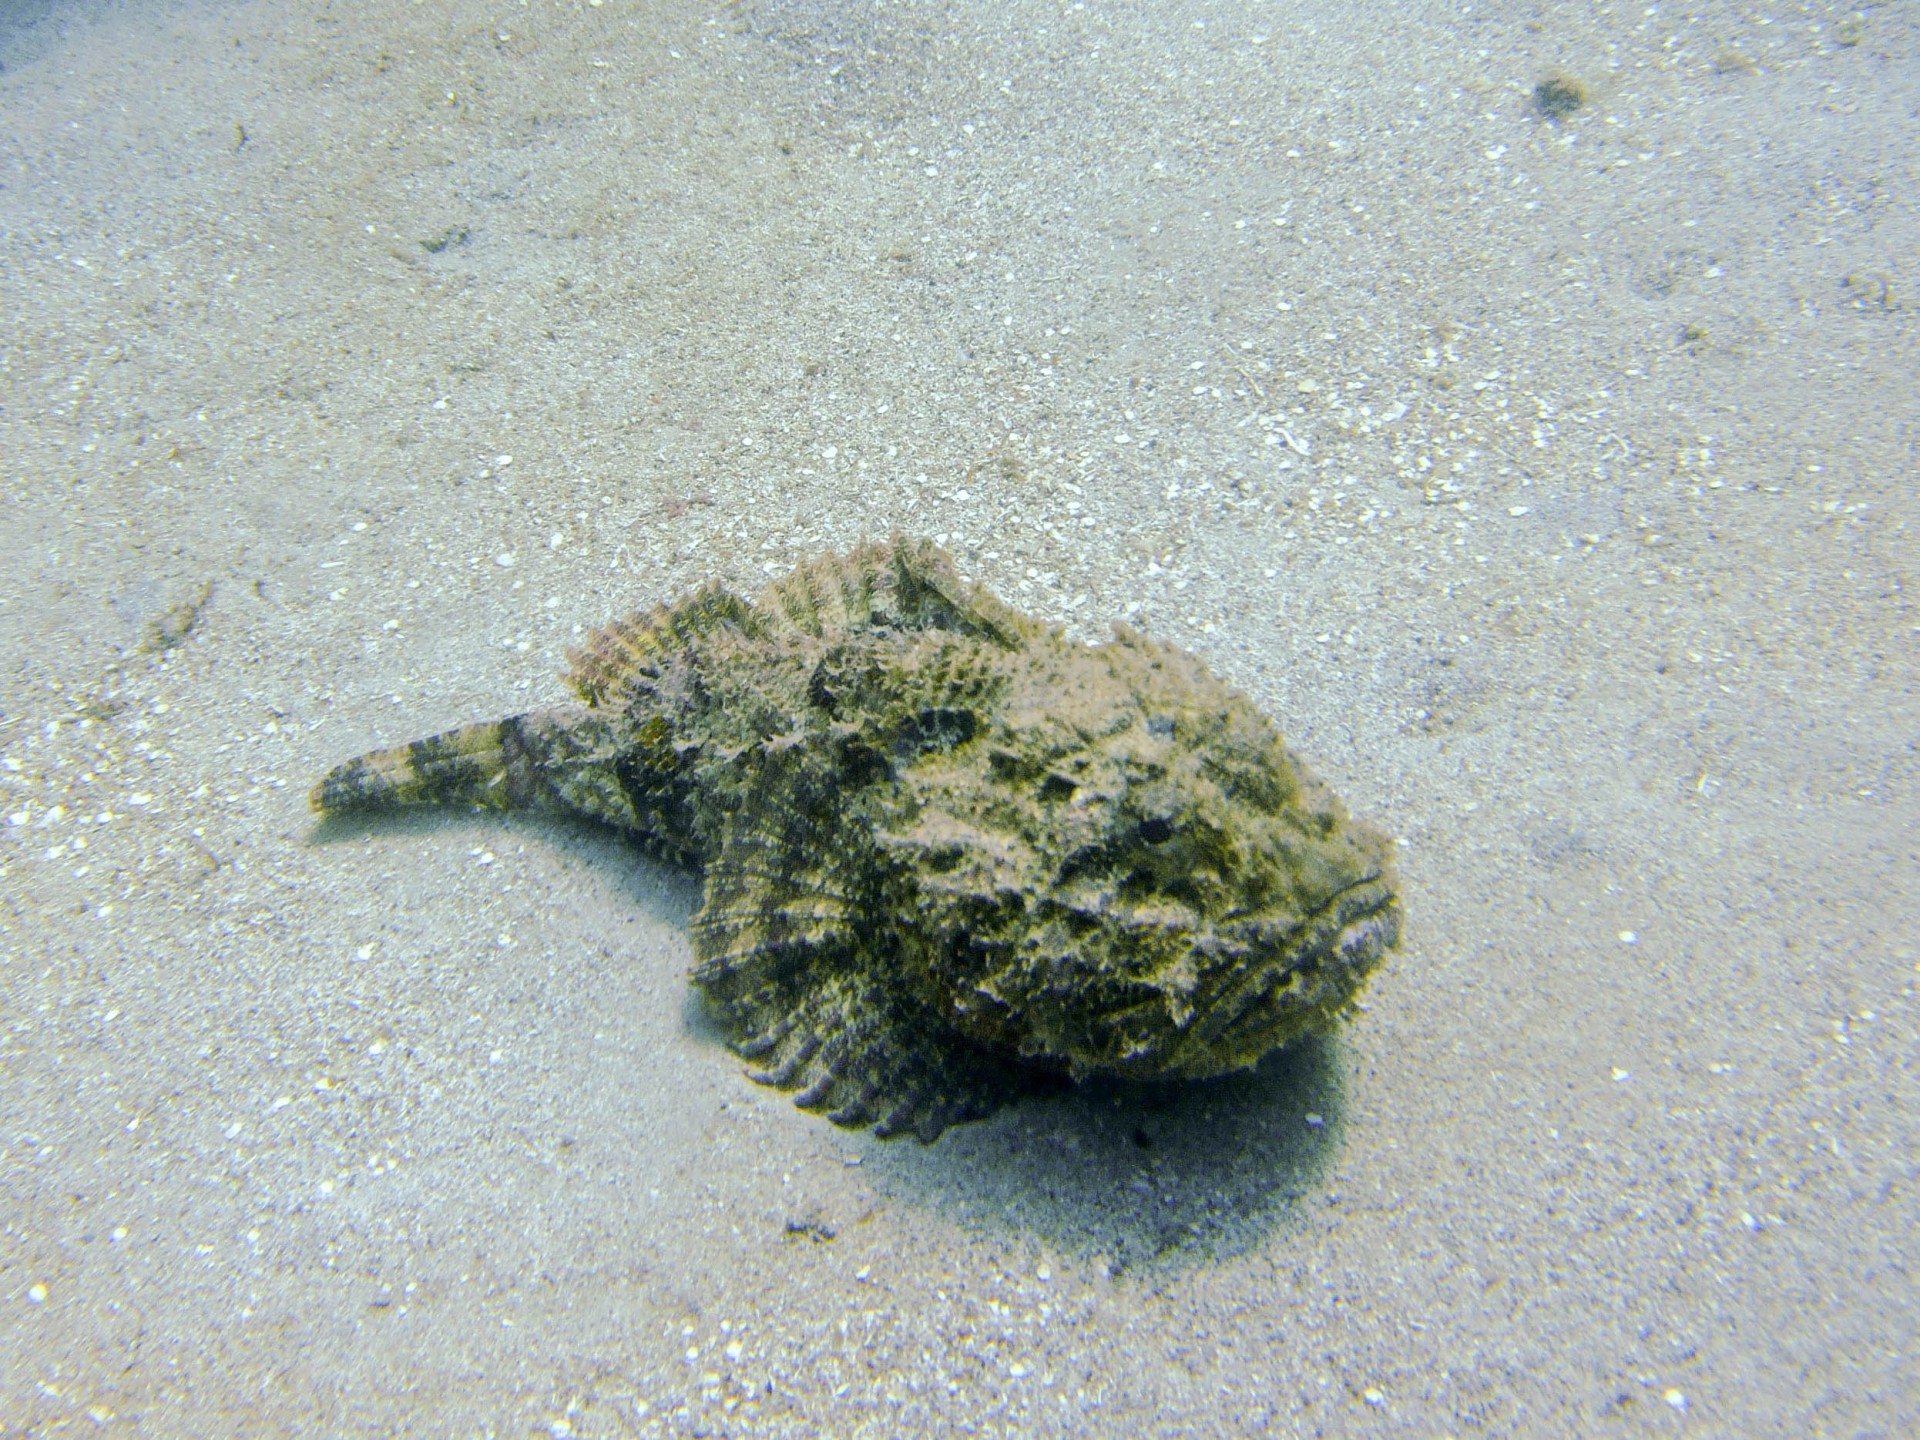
column 943, row 845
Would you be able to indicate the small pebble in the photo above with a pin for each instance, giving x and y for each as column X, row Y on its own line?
column 37, row 1294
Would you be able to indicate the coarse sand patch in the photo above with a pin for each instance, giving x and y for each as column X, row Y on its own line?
column 1516, row 401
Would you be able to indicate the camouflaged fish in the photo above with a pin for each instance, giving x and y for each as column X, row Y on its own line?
column 944, row 846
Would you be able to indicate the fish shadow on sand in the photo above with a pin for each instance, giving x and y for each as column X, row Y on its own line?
column 642, row 881
column 1146, row 1177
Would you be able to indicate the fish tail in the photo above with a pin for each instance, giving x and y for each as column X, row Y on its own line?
column 474, row 765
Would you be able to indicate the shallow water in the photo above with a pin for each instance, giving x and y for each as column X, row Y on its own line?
column 1548, row 479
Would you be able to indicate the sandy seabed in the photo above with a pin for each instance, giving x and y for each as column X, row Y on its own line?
column 1550, row 479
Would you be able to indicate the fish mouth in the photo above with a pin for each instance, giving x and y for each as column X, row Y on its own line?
column 1282, row 980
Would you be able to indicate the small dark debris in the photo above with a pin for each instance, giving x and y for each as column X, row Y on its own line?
column 1870, row 291
column 818, row 1231
column 678, row 505
column 170, row 629
column 1558, row 96
column 450, row 236
column 1559, row 844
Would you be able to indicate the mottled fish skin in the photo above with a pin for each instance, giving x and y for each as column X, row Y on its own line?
column 944, row 847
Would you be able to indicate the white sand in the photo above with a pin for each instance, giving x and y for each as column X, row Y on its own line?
column 1551, row 483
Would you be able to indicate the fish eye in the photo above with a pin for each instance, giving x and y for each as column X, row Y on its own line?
column 1156, row 830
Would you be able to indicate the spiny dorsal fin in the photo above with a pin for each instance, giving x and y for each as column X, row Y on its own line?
column 901, row 584
column 623, row 656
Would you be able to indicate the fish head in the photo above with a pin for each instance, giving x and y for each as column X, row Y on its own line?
column 1152, row 885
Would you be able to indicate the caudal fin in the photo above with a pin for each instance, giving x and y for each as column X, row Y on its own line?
column 468, row 766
